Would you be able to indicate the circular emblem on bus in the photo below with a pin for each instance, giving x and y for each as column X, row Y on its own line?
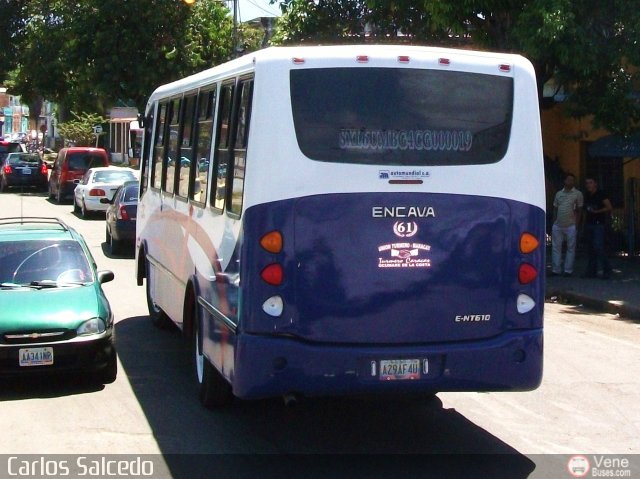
column 578, row 466
column 405, row 229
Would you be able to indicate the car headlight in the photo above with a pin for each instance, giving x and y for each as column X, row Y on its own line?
column 91, row 326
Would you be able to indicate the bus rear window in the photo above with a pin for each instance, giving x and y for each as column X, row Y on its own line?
column 399, row 116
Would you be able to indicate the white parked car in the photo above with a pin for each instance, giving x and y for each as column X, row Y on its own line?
column 98, row 183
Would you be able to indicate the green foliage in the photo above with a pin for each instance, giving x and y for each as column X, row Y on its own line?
column 585, row 46
column 89, row 55
column 321, row 21
column 79, row 131
column 251, row 37
column 11, row 33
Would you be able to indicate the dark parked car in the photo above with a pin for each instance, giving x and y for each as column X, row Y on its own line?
column 121, row 216
column 54, row 315
column 24, row 170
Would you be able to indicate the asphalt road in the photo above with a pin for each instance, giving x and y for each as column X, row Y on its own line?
column 589, row 401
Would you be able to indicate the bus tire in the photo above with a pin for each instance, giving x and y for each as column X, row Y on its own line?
column 213, row 390
column 158, row 317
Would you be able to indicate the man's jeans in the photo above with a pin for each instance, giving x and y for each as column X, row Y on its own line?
column 560, row 234
column 597, row 251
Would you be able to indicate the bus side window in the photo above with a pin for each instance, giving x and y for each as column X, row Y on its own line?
column 173, row 151
column 202, row 145
column 158, row 148
column 185, row 163
column 243, row 116
column 145, row 160
column 219, row 185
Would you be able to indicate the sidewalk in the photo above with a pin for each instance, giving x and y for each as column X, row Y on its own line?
column 618, row 295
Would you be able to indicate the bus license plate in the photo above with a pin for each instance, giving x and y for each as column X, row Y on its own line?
column 35, row 356
column 399, row 369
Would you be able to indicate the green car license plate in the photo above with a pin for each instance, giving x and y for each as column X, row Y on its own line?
column 35, row 356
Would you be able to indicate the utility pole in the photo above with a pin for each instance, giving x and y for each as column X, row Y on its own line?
column 235, row 30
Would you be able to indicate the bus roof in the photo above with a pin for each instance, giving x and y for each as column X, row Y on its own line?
column 357, row 55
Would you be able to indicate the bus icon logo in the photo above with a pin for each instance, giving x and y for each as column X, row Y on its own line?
column 578, row 466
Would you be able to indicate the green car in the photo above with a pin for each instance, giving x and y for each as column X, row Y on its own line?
column 54, row 315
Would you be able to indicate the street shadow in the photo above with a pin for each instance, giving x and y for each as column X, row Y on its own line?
column 311, row 438
column 53, row 201
column 127, row 251
column 34, row 193
column 93, row 216
column 47, row 386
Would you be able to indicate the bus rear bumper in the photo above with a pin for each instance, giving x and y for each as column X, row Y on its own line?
column 268, row 366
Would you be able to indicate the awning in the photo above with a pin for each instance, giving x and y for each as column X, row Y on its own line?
column 616, row 146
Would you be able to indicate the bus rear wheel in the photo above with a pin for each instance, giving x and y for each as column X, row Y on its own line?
column 213, row 390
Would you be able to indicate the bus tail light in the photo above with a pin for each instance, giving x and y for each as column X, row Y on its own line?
column 298, row 61
column 97, row 192
column 527, row 273
column 525, row 303
column 272, row 242
column 362, row 59
column 528, row 243
column 403, row 59
column 273, row 274
column 444, row 62
column 273, row 306
column 505, row 68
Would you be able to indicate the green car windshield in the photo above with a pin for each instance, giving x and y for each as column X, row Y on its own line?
column 42, row 261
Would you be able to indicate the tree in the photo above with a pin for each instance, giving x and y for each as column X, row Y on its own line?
column 79, row 131
column 321, row 21
column 89, row 55
column 589, row 49
column 11, row 34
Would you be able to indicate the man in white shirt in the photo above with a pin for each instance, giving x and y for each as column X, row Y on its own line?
column 567, row 207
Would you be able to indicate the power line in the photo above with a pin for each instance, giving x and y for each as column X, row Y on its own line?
column 260, row 7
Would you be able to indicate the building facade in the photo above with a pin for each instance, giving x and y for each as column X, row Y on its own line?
column 575, row 146
column 14, row 116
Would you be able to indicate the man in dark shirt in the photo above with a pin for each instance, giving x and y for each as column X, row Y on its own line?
column 598, row 208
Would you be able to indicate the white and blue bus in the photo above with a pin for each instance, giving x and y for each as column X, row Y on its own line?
column 348, row 219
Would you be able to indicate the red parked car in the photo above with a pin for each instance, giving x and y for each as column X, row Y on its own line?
column 69, row 168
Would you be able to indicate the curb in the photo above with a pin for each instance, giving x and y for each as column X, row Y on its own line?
column 623, row 310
